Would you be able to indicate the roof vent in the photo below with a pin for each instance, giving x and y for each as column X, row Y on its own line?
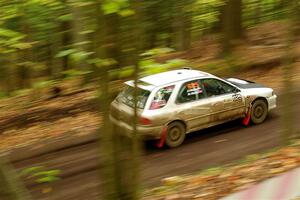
column 187, row 68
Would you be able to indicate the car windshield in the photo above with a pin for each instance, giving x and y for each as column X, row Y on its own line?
column 126, row 97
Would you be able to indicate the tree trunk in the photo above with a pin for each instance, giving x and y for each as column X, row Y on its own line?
column 107, row 152
column 78, row 26
column 49, row 63
column 112, row 38
column 5, row 74
column 257, row 12
column 66, row 38
column 66, row 42
column 288, row 129
column 135, row 148
column 187, row 27
column 25, row 55
column 232, row 24
column 151, row 30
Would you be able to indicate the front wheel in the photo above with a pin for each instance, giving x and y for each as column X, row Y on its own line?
column 175, row 134
column 259, row 111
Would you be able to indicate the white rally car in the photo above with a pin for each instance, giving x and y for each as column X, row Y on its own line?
column 174, row 103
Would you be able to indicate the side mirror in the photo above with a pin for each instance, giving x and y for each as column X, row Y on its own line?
column 236, row 90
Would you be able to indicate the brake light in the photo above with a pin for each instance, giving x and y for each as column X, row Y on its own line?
column 145, row 121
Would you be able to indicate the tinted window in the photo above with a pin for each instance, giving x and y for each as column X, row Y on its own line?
column 215, row 87
column 162, row 97
column 190, row 91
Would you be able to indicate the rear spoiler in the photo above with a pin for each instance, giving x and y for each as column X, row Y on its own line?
column 141, row 85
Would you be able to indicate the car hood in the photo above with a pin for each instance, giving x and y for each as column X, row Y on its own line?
column 244, row 84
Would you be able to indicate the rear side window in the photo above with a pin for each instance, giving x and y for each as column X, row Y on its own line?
column 162, row 97
column 127, row 97
column 190, row 91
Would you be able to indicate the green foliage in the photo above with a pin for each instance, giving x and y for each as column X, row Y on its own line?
column 147, row 64
column 3, row 94
column 6, row 34
column 42, row 34
column 157, row 52
column 80, row 56
column 47, row 176
column 150, row 66
column 122, row 73
column 120, row 7
column 75, row 55
column 100, row 63
column 65, row 53
column 40, row 174
column 110, row 7
column 73, row 73
column 31, row 170
column 213, row 171
column 11, row 40
column 126, row 12
column 261, row 11
column 66, row 17
column 21, row 92
column 174, row 63
column 206, row 15
column 43, row 84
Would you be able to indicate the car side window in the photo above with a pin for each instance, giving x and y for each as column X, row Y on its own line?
column 190, row 91
column 215, row 87
column 162, row 97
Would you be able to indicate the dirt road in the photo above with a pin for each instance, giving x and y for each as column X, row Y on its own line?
column 207, row 148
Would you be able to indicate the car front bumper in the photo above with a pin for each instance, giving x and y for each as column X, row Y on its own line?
column 272, row 102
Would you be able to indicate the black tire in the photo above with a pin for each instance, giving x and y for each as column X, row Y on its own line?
column 259, row 111
column 175, row 134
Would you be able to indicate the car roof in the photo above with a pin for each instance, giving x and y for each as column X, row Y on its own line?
column 173, row 76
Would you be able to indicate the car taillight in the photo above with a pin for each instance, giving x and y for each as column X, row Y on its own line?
column 145, row 121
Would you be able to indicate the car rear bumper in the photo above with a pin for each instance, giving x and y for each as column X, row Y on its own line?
column 145, row 132
column 272, row 102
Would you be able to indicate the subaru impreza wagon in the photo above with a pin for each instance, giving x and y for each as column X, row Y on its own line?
column 183, row 101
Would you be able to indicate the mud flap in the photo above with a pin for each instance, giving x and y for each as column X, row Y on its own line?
column 246, row 120
column 160, row 143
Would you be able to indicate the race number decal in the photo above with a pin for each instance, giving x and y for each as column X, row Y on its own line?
column 193, row 88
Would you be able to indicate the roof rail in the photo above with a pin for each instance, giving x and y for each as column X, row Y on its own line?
column 187, row 68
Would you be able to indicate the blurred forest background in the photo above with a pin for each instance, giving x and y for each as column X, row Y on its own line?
column 100, row 42
column 46, row 40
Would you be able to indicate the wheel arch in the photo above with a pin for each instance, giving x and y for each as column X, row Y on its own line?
column 261, row 98
column 180, row 121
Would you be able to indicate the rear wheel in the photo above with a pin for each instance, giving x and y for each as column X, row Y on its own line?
column 175, row 134
column 259, row 111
